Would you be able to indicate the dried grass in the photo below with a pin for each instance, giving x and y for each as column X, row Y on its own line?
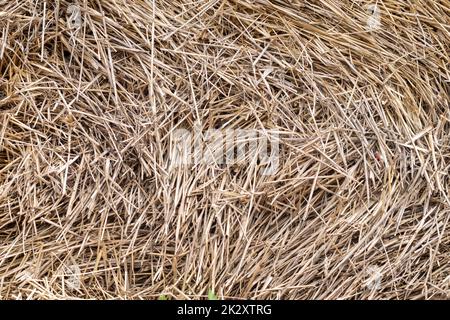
column 88, row 208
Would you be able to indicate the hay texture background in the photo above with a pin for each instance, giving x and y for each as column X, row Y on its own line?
column 91, row 208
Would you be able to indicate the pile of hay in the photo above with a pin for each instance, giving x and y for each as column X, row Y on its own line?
column 91, row 93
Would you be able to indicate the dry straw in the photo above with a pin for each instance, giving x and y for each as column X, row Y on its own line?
column 91, row 92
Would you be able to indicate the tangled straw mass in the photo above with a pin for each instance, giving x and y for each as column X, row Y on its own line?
column 92, row 91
